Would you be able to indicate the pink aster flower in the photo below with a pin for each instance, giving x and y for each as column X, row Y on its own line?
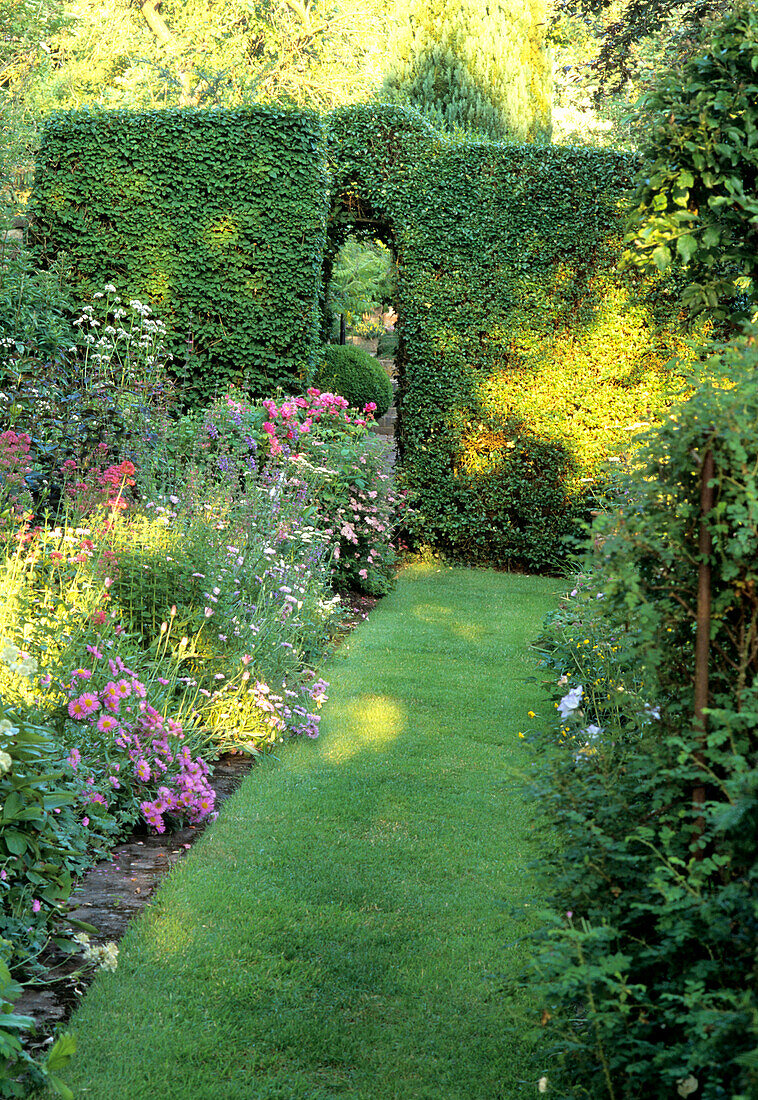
column 84, row 705
column 107, row 723
column 143, row 770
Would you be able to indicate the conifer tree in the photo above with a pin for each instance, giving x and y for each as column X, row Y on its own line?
column 478, row 65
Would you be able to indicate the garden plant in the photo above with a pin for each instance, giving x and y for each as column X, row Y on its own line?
column 184, row 498
column 359, row 377
column 647, row 770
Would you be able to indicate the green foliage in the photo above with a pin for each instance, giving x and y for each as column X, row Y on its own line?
column 362, row 280
column 524, row 356
column 474, row 66
column 35, row 316
column 211, row 53
column 355, row 375
column 647, row 965
column 25, row 28
column 624, row 31
column 696, row 197
column 229, row 259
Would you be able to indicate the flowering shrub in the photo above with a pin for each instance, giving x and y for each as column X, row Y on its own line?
column 178, row 608
column 317, row 446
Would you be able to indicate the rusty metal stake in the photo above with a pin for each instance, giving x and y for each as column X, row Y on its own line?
column 703, row 639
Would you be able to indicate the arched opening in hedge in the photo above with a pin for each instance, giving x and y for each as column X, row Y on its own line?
column 353, row 219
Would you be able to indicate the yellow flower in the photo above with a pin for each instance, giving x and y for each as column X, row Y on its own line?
column 531, row 714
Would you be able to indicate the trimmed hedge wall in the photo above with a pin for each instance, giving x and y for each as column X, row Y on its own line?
column 216, row 218
column 524, row 355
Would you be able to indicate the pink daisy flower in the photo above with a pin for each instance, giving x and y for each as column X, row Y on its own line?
column 107, row 723
column 84, row 705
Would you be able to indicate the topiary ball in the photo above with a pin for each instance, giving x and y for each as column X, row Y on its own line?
column 355, row 375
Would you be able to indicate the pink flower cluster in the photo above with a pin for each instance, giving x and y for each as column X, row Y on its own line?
column 148, row 742
column 14, row 458
column 92, row 486
column 294, row 418
column 186, row 794
column 363, row 528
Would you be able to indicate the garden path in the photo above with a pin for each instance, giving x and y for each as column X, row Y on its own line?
column 350, row 924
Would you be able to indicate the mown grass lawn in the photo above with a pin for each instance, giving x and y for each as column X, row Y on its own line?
column 348, row 925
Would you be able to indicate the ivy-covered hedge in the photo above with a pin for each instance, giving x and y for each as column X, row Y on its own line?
column 524, row 353
column 216, row 218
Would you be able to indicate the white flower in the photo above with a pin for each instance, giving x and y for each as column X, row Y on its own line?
column 570, row 702
column 653, row 712
column 687, row 1085
column 9, row 653
column 26, row 667
column 542, row 1084
column 6, row 763
column 109, row 288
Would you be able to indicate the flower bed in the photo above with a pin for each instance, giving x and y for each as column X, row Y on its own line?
column 168, row 591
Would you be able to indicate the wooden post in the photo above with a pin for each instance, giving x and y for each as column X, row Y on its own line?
column 343, row 330
column 703, row 638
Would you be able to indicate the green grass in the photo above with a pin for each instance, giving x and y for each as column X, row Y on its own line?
column 347, row 926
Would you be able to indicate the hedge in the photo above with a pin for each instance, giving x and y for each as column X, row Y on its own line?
column 216, row 218
column 524, row 353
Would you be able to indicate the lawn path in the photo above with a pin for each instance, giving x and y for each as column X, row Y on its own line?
column 347, row 926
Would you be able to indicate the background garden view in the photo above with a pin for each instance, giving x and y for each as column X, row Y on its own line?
column 378, row 408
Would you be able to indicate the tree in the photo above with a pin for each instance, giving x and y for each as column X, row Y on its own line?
column 697, row 195
column 26, row 27
column 205, row 52
column 478, row 65
column 632, row 36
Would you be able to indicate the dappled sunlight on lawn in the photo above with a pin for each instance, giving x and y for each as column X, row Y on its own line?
column 437, row 614
column 171, row 934
column 368, row 722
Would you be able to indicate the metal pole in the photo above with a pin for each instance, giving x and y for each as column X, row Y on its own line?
column 703, row 638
